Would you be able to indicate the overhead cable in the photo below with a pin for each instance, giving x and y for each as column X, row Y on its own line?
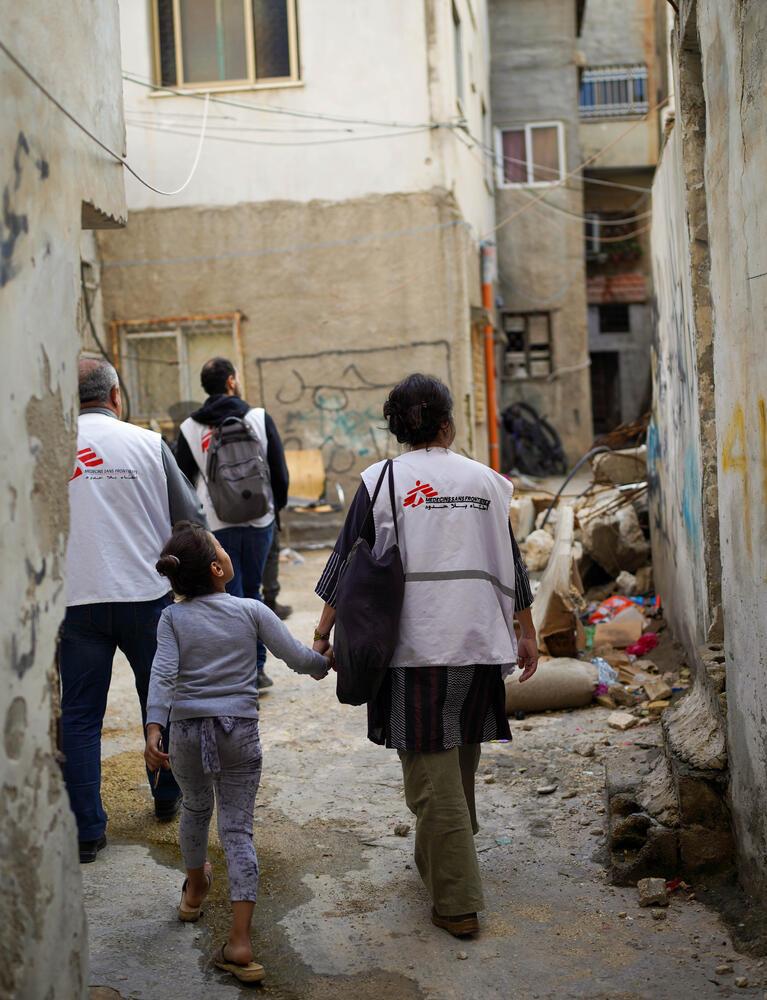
column 120, row 159
column 272, row 109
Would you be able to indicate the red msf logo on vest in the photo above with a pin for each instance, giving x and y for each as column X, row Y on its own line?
column 86, row 459
column 206, row 439
column 419, row 493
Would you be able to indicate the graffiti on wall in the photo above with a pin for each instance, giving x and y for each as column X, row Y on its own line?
column 735, row 460
column 332, row 400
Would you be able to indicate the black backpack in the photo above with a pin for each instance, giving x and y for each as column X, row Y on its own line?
column 237, row 472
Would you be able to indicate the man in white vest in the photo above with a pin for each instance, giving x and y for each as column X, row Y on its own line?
column 125, row 494
column 248, row 543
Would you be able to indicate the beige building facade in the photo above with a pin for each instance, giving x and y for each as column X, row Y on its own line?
column 329, row 238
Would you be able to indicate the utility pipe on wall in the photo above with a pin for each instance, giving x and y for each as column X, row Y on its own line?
column 488, row 252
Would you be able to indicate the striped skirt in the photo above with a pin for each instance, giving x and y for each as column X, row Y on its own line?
column 426, row 709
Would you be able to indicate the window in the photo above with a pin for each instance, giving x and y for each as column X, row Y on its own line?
column 592, row 231
column 212, row 42
column 458, row 54
column 612, row 91
column 614, row 318
column 161, row 362
column 531, row 154
column 528, row 344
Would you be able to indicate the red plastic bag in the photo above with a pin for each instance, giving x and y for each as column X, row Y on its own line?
column 643, row 644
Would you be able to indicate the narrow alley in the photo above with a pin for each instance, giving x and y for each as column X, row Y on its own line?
column 342, row 913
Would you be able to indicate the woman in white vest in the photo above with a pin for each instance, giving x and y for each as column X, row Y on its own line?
column 465, row 583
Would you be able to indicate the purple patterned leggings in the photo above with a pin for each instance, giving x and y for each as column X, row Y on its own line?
column 219, row 759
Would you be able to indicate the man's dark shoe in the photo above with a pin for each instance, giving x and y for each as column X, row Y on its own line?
column 262, row 681
column 166, row 809
column 282, row 611
column 90, row 848
column 460, row 926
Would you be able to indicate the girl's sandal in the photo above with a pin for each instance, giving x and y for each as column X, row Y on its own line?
column 250, row 973
column 189, row 913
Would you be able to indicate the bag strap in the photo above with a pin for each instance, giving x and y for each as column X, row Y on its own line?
column 388, row 467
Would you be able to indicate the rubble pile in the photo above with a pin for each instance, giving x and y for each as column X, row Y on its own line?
column 604, row 643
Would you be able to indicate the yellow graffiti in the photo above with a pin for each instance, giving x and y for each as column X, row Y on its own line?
column 732, row 462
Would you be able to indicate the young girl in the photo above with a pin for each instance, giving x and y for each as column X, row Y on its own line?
column 204, row 674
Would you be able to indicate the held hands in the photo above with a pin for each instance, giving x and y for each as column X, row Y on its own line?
column 527, row 656
column 153, row 753
column 323, row 646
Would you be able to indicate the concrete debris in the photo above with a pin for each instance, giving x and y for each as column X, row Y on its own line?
column 652, row 892
column 462, row 956
column 545, row 789
column 723, row 970
column 560, row 597
column 741, row 981
column 610, row 532
column 658, row 914
column 658, row 707
column 489, row 779
column 537, row 549
column 584, row 748
column 606, row 701
column 644, row 580
column 402, row 829
column 621, row 696
column 656, row 688
column 626, row 583
column 620, row 468
column 522, row 517
column 621, row 720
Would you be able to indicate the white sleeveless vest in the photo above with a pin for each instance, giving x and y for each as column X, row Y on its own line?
column 198, row 437
column 453, row 521
column 119, row 513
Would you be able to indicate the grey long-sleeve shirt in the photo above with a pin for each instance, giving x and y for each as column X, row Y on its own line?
column 205, row 664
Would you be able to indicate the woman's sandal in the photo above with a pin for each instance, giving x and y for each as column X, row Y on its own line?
column 250, row 973
column 191, row 913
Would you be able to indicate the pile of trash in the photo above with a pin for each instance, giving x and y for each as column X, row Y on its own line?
column 595, row 611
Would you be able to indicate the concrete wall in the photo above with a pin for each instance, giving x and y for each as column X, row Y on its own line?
column 674, row 438
column 732, row 48
column 708, row 447
column 633, row 348
column 328, row 329
column 48, row 169
column 540, row 252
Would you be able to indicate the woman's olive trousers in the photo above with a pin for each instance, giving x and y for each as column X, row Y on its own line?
column 439, row 790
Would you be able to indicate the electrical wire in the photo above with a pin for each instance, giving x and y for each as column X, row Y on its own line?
column 301, row 142
column 290, row 112
column 120, row 159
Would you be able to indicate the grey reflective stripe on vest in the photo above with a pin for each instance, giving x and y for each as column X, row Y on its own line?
column 462, row 574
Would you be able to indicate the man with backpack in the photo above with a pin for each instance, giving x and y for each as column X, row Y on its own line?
column 234, row 455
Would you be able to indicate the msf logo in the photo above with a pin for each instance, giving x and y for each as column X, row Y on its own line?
column 419, row 493
column 206, row 439
column 86, row 459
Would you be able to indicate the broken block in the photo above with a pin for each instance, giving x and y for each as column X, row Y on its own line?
column 621, row 720
column 652, row 892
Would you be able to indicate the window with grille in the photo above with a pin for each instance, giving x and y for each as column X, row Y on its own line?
column 215, row 42
column 160, row 361
column 614, row 91
column 528, row 344
column 531, row 154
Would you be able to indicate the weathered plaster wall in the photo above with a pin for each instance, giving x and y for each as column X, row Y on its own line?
column 732, row 41
column 540, row 252
column 674, row 438
column 47, row 170
column 633, row 350
column 329, row 328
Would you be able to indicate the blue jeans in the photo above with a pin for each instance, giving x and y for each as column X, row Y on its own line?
column 90, row 634
column 248, row 548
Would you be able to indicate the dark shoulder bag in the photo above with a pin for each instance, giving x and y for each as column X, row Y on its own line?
column 368, row 607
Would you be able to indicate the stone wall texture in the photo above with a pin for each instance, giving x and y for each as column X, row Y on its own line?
column 51, row 176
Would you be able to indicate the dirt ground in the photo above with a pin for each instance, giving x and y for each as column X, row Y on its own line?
column 342, row 913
